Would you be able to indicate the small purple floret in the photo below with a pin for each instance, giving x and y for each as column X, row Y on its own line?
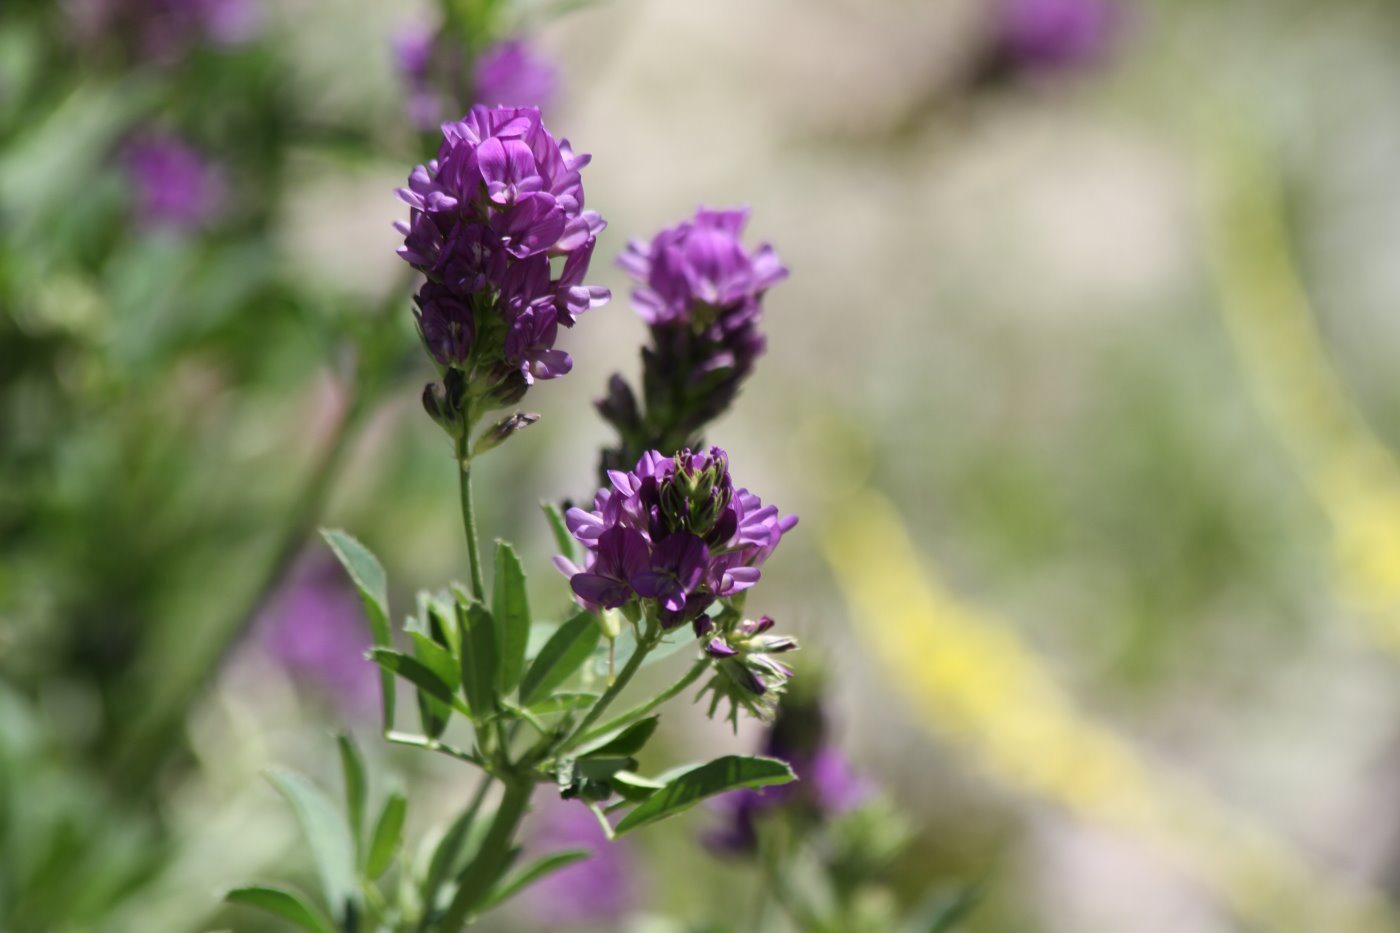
column 509, row 73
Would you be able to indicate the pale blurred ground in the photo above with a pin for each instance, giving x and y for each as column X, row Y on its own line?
column 1004, row 305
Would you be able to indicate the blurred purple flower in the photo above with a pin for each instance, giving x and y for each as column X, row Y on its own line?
column 1051, row 35
column 509, row 74
column 700, row 291
column 175, row 187
column 673, row 530
column 599, row 890
column 163, row 31
column 486, row 217
column 415, row 49
column 314, row 628
column 826, row 784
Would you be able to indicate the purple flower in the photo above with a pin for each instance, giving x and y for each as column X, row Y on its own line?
column 163, row 31
column 826, row 783
column 487, row 217
column 700, row 292
column 673, row 532
column 507, row 73
column 601, row 889
column 1052, row 35
column 313, row 627
column 415, row 50
column 174, row 186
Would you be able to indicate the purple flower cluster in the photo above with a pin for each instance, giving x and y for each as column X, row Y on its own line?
column 826, row 783
column 674, row 532
column 313, row 628
column 700, row 292
column 509, row 73
column 175, row 187
column 164, row 30
column 1053, row 35
column 501, row 200
column 433, row 63
column 600, row 890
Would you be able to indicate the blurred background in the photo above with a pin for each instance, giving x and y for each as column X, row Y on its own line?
column 1083, row 384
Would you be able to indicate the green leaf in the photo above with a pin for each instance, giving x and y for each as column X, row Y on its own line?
column 511, row 610
column 598, row 769
column 369, row 578
column 449, row 855
column 634, row 787
column 478, row 657
column 563, row 703
column 626, row 742
column 388, row 834
column 415, row 671
column 437, row 659
column 567, row 544
column 328, row 835
column 716, row 777
column 352, row 765
column 567, row 649
column 289, row 905
column 528, row 876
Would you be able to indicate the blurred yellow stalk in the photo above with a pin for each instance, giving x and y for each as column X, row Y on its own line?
column 974, row 682
column 1352, row 475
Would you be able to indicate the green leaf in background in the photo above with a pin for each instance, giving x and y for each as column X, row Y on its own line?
column 329, row 837
column 626, row 742
column 280, row 902
column 627, row 643
column 523, row 879
column 416, row 672
column 945, row 909
column 478, row 657
column 369, row 577
column 716, row 777
column 570, row 645
column 511, row 610
column 566, row 542
column 388, row 834
column 563, row 703
column 352, row 765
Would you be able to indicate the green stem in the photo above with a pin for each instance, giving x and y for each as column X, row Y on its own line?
column 433, row 745
column 485, row 869
column 634, row 664
column 637, row 712
column 464, row 485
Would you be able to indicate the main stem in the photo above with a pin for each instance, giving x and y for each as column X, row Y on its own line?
column 464, row 485
column 637, row 712
column 485, row 869
column 634, row 664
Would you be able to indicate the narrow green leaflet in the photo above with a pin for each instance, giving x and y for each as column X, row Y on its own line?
column 369, row 577
column 352, row 765
column 528, row 876
column 437, row 659
column 686, row 790
column 511, row 610
column 478, row 658
column 328, row 835
column 945, row 910
column 570, row 645
column 388, row 834
column 416, row 672
column 566, row 543
column 289, row 905
column 625, row 742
